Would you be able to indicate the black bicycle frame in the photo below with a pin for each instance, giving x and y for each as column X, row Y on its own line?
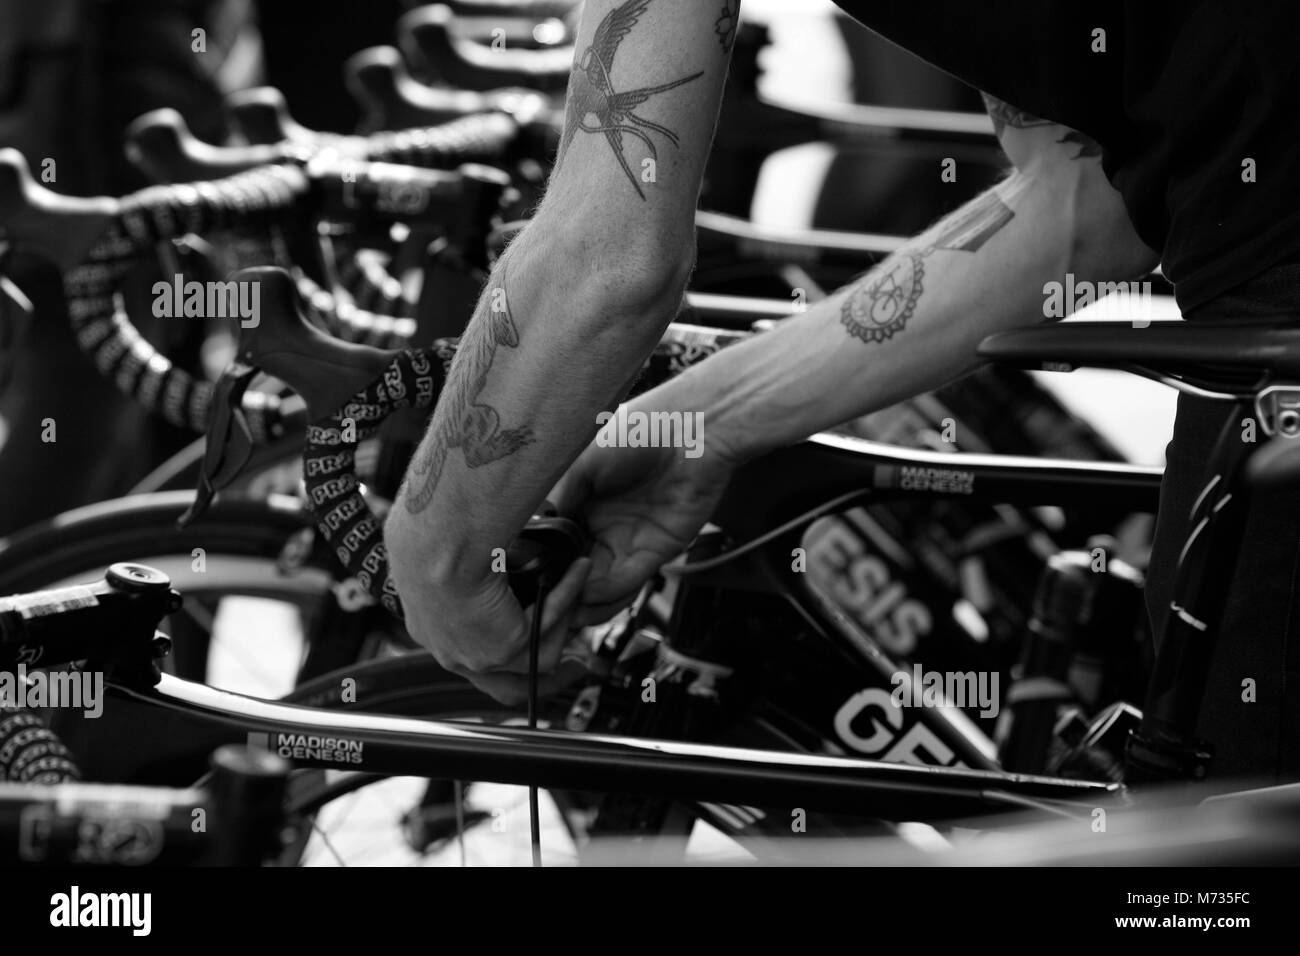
column 183, row 720
column 821, row 670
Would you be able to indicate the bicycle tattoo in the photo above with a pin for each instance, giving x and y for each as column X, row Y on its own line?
column 880, row 307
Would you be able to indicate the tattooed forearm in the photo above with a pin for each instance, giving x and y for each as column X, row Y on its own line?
column 972, row 225
column 725, row 25
column 594, row 105
column 882, row 304
column 461, row 420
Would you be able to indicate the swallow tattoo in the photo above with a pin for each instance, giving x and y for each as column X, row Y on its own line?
column 594, row 105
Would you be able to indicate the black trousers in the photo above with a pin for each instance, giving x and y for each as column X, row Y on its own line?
column 1260, row 635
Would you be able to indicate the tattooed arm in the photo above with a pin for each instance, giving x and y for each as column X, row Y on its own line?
column 909, row 325
column 913, row 322
column 566, row 318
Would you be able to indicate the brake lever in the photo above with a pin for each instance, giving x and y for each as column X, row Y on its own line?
column 229, row 440
column 16, row 313
column 541, row 554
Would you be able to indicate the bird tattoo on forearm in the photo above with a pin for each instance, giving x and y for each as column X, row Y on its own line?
column 594, row 105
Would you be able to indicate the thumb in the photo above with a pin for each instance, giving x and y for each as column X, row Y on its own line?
column 562, row 598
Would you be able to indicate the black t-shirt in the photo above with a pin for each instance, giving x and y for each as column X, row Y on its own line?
column 1185, row 93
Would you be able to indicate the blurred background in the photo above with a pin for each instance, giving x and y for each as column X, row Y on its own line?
column 74, row 73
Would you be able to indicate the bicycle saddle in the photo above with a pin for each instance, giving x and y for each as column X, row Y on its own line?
column 1219, row 354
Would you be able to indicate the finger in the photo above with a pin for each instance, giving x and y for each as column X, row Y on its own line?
column 549, row 651
column 556, row 615
column 618, row 573
column 579, row 649
column 512, row 689
column 508, row 689
column 554, row 644
column 590, row 615
column 568, row 673
column 564, row 596
column 557, row 618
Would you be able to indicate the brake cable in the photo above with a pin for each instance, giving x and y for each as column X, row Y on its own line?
column 534, row 644
column 708, row 564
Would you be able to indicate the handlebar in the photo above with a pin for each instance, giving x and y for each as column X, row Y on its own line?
column 163, row 147
column 160, row 144
column 60, row 228
column 242, row 805
column 99, row 241
column 499, row 27
column 32, row 753
column 349, row 390
column 529, row 9
column 392, row 99
column 430, row 40
column 262, row 117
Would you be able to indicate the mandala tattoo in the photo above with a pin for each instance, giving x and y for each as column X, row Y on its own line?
column 594, row 105
column 881, row 306
column 874, row 312
column 461, row 420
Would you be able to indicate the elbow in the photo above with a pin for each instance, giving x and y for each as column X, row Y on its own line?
column 623, row 281
column 637, row 270
column 646, row 278
column 397, row 543
column 1102, row 242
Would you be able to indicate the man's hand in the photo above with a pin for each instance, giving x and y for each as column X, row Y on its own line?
column 477, row 629
column 641, row 507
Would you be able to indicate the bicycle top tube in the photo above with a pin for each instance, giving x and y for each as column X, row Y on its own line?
column 797, row 479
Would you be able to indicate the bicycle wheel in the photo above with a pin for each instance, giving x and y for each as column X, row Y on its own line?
column 357, row 819
column 264, row 606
